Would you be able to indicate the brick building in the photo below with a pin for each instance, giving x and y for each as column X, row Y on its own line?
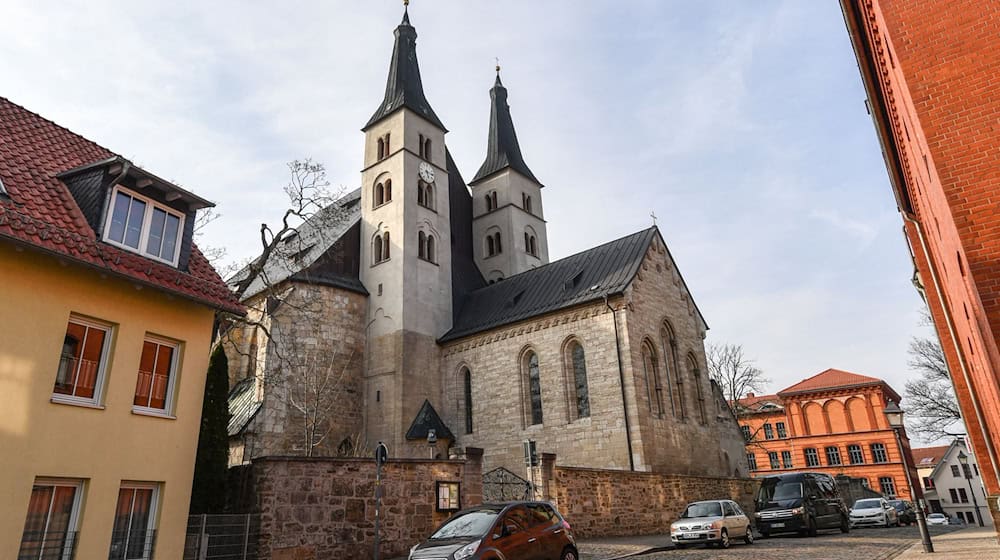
column 435, row 306
column 930, row 71
column 831, row 422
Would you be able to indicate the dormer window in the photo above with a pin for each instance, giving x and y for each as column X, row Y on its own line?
column 141, row 225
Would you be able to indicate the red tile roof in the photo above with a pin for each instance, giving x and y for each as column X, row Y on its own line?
column 928, row 456
column 753, row 403
column 41, row 212
column 831, row 379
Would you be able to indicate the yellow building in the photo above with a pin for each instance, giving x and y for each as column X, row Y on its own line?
column 106, row 309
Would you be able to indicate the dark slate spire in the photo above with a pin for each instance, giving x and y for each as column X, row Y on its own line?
column 403, row 88
column 503, row 150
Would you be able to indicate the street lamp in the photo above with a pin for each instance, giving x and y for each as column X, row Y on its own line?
column 964, row 459
column 894, row 415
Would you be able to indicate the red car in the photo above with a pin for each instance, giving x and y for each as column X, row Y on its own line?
column 510, row 531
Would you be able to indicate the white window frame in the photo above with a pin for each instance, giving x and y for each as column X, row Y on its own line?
column 98, row 398
column 74, row 517
column 147, row 219
column 154, row 511
column 168, row 406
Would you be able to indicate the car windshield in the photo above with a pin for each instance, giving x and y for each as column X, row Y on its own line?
column 867, row 504
column 703, row 509
column 774, row 490
column 470, row 524
column 936, row 516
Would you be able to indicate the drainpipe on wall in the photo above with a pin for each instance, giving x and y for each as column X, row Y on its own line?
column 621, row 381
column 957, row 343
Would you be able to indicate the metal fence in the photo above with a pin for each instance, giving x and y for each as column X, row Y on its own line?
column 222, row 537
column 39, row 545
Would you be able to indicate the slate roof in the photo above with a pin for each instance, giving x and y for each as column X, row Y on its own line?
column 243, row 405
column 428, row 419
column 39, row 210
column 311, row 242
column 503, row 150
column 584, row 277
column 403, row 87
column 465, row 274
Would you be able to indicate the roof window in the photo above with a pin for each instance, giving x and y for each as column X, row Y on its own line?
column 143, row 226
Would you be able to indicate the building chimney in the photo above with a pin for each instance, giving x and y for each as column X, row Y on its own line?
column 750, row 395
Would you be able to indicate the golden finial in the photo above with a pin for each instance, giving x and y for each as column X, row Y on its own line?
column 406, row 3
column 498, row 64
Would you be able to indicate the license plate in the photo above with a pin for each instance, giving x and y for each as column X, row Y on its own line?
column 777, row 524
column 691, row 536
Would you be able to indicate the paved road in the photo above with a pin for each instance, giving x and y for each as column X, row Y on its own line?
column 859, row 544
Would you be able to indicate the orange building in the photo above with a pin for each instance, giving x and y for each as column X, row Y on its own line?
column 929, row 68
column 831, row 422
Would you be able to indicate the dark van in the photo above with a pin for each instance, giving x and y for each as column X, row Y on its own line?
column 800, row 502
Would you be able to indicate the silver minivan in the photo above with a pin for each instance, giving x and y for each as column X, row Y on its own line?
column 712, row 522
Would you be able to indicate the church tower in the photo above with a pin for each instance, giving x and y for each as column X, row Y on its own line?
column 405, row 252
column 508, row 225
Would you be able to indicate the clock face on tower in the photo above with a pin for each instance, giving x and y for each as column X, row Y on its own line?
column 426, row 171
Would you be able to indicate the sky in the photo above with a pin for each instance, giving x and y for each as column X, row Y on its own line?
column 741, row 125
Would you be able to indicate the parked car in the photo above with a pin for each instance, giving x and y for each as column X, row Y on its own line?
column 873, row 512
column 905, row 511
column 937, row 519
column 509, row 531
column 712, row 522
column 800, row 502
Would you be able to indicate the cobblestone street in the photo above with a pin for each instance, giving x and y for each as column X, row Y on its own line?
column 859, row 544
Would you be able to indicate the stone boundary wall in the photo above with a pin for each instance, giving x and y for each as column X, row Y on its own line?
column 614, row 503
column 314, row 508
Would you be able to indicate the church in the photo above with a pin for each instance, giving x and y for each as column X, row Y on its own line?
column 423, row 312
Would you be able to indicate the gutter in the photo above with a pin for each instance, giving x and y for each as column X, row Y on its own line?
column 621, row 382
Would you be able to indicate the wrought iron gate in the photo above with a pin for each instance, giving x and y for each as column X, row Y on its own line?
column 501, row 485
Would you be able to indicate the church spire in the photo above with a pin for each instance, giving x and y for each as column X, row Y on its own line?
column 403, row 87
column 503, row 150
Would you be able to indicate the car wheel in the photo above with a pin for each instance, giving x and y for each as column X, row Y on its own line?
column 749, row 537
column 724, row 539
column 845, row 525
column 568, row 554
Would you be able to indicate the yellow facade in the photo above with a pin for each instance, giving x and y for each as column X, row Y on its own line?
column 102, row 446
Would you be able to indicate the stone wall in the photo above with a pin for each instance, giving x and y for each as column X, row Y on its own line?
column 316, row 508
column 606, row 503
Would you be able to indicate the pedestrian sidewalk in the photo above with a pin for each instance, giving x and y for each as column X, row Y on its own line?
column 612, row 548
column 974, row 543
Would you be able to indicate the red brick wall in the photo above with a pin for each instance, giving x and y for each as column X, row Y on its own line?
column 314, row 508
column 931, row 69
column 604, row 503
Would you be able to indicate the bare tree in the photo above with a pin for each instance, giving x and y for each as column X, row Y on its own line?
column 736, row 374
column 931, row 404
column 315, row 390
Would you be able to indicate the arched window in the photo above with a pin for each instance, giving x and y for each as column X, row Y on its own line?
column 420, row 145
column 385, row 246
column 491, row 248
column 420, row 192
column 654, row 388
column 669, row 361
column 377, row 249
column 679, row 378
column 493, row 196
column 379, row 194
column 421, row 242
column 533, row 395
column 696, row 376
column 496, row 241
column 381, row 148
column 578, row 379
column 534, row 246
column 430, row 249
column 427, row 149
column 527, row 243
column 429, row 196
column 467, row 379
column 387, row 149
column 388, row 190
column 489, row 203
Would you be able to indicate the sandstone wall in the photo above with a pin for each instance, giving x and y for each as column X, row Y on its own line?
column 605, row 503
column 317, row 508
